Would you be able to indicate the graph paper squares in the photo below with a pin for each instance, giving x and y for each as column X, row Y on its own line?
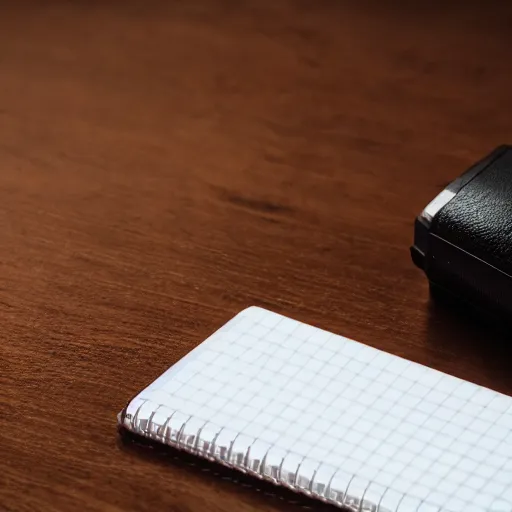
column 333, row 418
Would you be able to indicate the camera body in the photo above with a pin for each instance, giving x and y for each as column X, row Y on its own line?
column 463, row 238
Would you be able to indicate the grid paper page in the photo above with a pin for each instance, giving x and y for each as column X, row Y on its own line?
column 334, row 419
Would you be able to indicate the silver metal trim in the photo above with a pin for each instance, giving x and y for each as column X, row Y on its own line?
column 441, row 200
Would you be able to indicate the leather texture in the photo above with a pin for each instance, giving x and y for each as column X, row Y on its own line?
column 478, row 219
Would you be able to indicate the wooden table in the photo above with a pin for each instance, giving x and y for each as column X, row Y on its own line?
column 165, row 164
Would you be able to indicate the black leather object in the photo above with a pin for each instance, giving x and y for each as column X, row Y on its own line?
column 467, row 248
column 479, row 218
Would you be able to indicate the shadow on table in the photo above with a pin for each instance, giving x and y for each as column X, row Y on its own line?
column 480, row 346
column 260, row 490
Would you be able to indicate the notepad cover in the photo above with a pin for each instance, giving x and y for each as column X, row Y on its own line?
column 332, row 418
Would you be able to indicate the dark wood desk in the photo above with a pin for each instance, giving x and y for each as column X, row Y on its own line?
column 165, row 164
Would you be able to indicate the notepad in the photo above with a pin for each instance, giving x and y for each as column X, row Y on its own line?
column 332, row 418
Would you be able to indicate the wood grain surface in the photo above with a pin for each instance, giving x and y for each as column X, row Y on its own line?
column 164, row 164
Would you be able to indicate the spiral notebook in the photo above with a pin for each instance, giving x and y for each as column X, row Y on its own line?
column 332, row 418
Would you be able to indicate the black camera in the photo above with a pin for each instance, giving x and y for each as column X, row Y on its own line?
column 463, row 238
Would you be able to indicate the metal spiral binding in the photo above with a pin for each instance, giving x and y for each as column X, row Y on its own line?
column 247, row 459
column 150, row 422
column 180, row 435
column 230, row 450
column 198, row 437
column 296, row 476
column 163, row 434
column 345, row 494
column 213, row 452
column 135, row 419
